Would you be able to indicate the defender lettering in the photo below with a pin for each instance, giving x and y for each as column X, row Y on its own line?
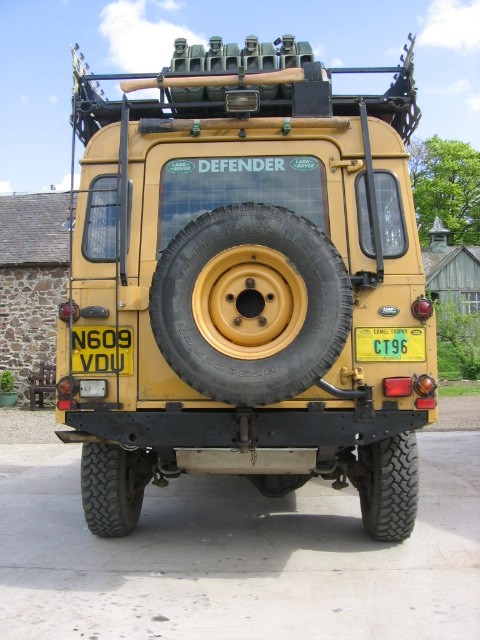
column 235, row 165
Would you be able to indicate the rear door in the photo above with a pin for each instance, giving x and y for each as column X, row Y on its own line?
column 183, row 181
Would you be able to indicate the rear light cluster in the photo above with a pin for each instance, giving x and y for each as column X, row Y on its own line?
column 67, row 387
column 425, row 386
column 71, row 309
column 402, row 387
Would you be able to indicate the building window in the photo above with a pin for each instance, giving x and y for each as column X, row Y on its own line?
column 470, row 302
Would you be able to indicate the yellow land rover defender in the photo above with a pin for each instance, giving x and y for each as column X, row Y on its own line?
column 246, row 293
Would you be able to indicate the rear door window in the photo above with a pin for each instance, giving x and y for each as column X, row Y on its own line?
column 390, row 213
column 100, row 234
column 192, row 186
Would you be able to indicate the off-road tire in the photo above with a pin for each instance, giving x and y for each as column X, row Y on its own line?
column 302, row 251
column 389, row 491
column 112, row 498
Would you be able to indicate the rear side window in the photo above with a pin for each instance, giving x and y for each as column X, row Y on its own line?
column 101, row 222
column 390, row 213
column 192, row 186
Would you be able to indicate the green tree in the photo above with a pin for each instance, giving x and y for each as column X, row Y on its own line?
column 463, row 333
column 445, row 177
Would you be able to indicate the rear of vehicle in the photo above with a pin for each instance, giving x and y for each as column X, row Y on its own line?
column 247, row 297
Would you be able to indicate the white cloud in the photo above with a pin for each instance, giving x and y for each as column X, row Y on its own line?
column 64, row 185
column 135, row 43
column 171, row 5
column 473, row 102
column 460, row 86
column 452, row 24
column 53, row 99
column 24, row 100
column 5, row 187
column 457, row 87
column 337, row 62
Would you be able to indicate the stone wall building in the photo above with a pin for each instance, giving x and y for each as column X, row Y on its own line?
column 34, row 257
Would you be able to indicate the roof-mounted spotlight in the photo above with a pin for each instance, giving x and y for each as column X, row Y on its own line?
column 242, row 101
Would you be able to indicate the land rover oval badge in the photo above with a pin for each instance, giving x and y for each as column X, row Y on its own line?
column 388, row 311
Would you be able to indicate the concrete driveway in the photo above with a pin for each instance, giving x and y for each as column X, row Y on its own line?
column 213, row 559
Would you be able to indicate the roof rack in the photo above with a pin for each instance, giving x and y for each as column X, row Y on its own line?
column 186, row 91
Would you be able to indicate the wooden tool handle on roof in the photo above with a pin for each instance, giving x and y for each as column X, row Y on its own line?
column 251, row 79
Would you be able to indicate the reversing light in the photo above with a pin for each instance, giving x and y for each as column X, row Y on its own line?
column 422, row 308
column 424, row 385
column 67, row 309
column 67, row 386
column 242, row 101
column 93, row 388
column 397, row 387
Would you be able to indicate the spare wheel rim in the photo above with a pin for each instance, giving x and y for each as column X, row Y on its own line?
column 249, row 302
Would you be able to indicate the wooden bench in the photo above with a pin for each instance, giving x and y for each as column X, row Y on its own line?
column 41, row 383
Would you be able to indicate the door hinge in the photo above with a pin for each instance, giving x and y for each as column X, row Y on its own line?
column 352, row 166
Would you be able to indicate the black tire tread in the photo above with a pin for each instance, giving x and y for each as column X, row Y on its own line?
column 391, row 517
column 103, row 497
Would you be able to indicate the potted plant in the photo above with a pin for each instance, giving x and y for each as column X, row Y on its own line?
column 8, row 397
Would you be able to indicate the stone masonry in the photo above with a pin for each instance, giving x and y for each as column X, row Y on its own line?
column 29, row 299
column 34, row 257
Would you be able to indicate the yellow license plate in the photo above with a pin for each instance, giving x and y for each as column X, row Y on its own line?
column 388, row 344
column 102, row 350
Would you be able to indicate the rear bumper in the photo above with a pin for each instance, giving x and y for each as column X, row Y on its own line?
column 175, row 428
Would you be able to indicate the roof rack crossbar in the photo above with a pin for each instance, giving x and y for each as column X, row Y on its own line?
column 92, row 111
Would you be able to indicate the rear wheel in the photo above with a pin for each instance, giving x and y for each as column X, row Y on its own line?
column 113, row 483
column 389, row 489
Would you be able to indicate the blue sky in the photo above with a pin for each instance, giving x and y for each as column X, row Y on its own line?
column 138, row 35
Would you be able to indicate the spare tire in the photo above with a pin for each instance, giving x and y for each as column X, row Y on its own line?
column 251, row 304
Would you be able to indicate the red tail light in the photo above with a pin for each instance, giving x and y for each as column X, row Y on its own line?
column 67, row 309
column 397, row 387
column 65, row 404
column 426, row 403
column 422, row 308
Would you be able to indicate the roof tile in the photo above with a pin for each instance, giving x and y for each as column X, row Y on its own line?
column 31, row 229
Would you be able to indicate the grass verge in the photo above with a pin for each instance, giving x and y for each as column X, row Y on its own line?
column 453, row 389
